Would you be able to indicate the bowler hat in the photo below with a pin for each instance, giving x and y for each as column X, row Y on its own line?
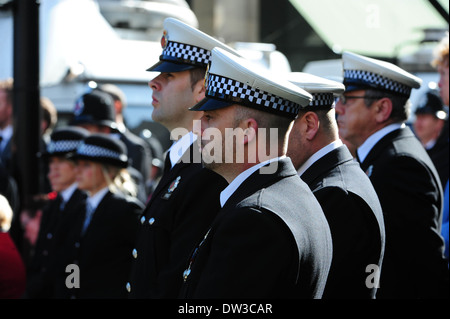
column 103, row 148
column 64, row 141
column 431, row 103
column 96, row 108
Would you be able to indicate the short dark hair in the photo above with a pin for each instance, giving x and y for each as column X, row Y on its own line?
column 265, row 120
column 401, row 107
column 327, row 119
column 197, row 74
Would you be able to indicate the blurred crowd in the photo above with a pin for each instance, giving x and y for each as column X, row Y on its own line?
column 34, row 231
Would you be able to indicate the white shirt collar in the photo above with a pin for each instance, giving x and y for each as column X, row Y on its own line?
column 373, row 139
column 67, row 193
column 234, row 185
column 97, row 198
column 115, row 136
column 430, row 144
column 319, row 154
column 7, row 132
column 178, row 148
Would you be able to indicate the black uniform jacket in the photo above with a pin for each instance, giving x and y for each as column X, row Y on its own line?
column 53, row 241
column 439, row 154
column 270, row 240
column 354, row 214
column 178, row 214
column 410, row 193
column 103, row 253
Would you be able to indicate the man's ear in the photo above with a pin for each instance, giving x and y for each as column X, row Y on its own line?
column 382, row 109
column 250, row 127
column 199, row 90
column 311, row 125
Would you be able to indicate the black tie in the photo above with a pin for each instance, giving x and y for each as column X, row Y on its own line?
column 58, row 201
column 167, row 163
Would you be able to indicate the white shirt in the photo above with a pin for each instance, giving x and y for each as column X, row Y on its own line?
column 430, row 144
column 67, row 193
column 178, row 148
column 6, row 135
column 373, row 139
column 234, row 185
column 97, row 198
column 319, row 154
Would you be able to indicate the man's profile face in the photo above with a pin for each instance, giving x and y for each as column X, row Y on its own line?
column 354, row 118
column 172, row 97
column 220, row 137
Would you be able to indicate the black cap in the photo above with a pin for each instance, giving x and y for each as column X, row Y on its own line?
column 431, row 103
column 64, row 141
column 103, row 148
column 96, row 108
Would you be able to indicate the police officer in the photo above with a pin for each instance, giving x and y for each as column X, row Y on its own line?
column 65, row 206
column 95, row 112
column 345, row 193
column 186, row 198
column 431, row 128
column 107, row 232
column 371, row 115
column 270, row 239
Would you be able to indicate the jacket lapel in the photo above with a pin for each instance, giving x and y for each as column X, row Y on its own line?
column 98, row 212
column 257, row 181
column 383, row 143
column 189, row 157
column 329, row 161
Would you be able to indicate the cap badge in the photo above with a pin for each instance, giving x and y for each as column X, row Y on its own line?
column 164, row 40
column 171, row 188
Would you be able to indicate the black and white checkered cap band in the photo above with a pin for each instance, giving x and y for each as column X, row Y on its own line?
column 62, row 146
column 376, row 81
column 322, row 99
column 97, row 151
column 186, row 53
column 230, row 90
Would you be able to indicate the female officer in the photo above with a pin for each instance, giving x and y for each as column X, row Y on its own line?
column 107, row 233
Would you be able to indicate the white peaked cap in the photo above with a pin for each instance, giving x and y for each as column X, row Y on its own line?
column 234, row 80
column 323, row 90
column 361, row 72
column 185, row 47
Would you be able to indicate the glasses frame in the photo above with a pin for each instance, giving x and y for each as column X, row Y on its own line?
column 343, row 99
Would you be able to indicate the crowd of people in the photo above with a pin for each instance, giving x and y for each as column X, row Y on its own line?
column 276, row 186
